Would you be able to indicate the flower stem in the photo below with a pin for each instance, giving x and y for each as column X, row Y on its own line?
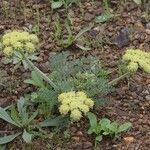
column 43, row 75
column 115, row 81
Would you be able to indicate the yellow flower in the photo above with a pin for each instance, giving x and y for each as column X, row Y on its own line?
column 76, row 115
column 76, row 102
column 8, row 51
column 18, row 45
column 30, row 47
column 81, row 94
column 74, row 105
column 64, row 109
column 66, row 101
column 84, row 108
column 33, row 38
column 145, row 65
column 20, row 40
column 6, row 42
column 132, row 66
column 137, row 58
column 89, row 102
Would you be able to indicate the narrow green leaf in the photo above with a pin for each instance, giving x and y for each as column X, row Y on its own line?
column 56, row 4
column 27, row 137
column 92, row 118
column 15, row 115
column 53, row 122
column 33, row 116
column 5, row 116
column 9, row 138
column 103, row 18
column 139, row 2
column 82, row 32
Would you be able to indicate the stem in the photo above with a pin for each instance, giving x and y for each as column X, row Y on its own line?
column 113, row 82
column 43, row 75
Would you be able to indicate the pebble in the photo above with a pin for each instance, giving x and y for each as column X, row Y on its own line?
column 79, row 133
column 76, row 138
column 77, row 146
column 89, row 17
column 147, row 97
column 3, row 102
column 148, row 25
column 87, row 145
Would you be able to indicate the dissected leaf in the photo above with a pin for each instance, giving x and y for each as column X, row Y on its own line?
column 9, row 138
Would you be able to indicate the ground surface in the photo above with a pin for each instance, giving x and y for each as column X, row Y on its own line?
column 131, row 99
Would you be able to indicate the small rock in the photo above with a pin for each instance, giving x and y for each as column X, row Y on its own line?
column 89, row 17
column 123, row 38
column 77, row 146
column 3, row 102
column 147, row 97
column 87, row 145
column 147, row 31
column 73, row 129
column 40, row 59
column 76, row 138
column 128, row 140
column 79, row 133
column 148, row 25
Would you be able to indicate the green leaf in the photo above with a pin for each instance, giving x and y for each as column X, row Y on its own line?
column 82, row 31
column 2, row 147
column 99, row 138
column 5, row 116
column 20, row 104
column 104, row 123
column 9, row 138
column 27, row 137
column 113, row 127
column 139, row 2
column 36, row 80
column 33, row 116
column 53, row 122
column 83, row 48
column 103, row 18
column 125, row 127
column 92, row 118
column 56, row 4
column 15, row 115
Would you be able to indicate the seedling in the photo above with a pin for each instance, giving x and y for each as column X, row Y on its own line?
column 105, row 128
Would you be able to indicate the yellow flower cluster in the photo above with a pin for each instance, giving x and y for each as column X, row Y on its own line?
column 76, row 103
column 136, row 59
column 19, row 41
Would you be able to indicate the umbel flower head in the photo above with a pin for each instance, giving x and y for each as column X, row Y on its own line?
column 75, row 103
column 19, row 41
column 137, row 58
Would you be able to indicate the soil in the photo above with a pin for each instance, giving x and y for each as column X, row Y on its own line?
column 130, row 101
